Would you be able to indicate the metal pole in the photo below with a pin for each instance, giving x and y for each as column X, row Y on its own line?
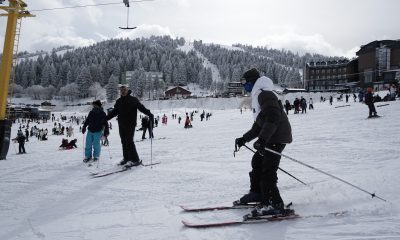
column 151, row 142
column 323, row 172
column 279, row 167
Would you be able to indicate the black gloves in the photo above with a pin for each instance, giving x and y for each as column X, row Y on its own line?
column 83, row 130
column 106, row 132
column 240, row 142
column 260, row 145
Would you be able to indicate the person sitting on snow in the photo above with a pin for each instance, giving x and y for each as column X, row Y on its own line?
column 64, row 143
column 72, row 144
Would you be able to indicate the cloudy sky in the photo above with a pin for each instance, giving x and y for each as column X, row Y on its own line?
column 329, row 27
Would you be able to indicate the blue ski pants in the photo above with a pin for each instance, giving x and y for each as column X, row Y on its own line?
column 93, row 144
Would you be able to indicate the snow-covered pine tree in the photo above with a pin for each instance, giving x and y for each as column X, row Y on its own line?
column 84, row 81
column 112, row 89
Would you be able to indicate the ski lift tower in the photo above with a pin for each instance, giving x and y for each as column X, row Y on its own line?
column 15, row 11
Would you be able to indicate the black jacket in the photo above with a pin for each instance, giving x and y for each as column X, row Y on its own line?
column 369, row 98
column 126, row 109
column 272, row 124
column 96, row 121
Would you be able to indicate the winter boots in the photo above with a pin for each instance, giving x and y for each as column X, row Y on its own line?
column 262, row 210
column 129, row 163
column 250, row 197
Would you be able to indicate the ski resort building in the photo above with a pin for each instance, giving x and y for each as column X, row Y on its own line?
column 235, row 88
column 177, row 92
column 377, row 65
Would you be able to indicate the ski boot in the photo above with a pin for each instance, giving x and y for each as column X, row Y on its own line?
column 87, row 160
column 130, row 164
column 251, row 197
column 265, row 211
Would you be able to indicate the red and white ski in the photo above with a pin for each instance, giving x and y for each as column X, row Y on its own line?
column 248, row 221
column 203, row 209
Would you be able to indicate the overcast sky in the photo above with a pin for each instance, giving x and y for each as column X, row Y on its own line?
column 329, row 27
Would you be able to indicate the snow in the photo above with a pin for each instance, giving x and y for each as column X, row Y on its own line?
column 206, row 63
column 48, row 194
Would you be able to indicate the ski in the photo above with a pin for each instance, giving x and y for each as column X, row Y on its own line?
column 270, row 218
column 372, row 117
column 107, row 173
column 203, row 209
column 118, row 170
column 216, row 208
column 262, row 219
column 142, row 140
column 150, row 164
column 348, row 105
column 382, row 105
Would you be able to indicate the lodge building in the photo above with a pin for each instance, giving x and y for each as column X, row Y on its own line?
column 377, row 65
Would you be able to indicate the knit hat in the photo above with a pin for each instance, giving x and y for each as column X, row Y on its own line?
column 96, row 103
column 251, row 75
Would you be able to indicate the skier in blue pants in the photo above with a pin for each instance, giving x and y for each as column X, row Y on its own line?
column 97, row 125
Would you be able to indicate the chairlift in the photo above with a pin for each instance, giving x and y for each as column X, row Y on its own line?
column 126, row 2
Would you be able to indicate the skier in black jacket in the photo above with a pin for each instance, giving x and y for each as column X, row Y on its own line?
column 126, row 109
column 369, row 100
column 273, row 130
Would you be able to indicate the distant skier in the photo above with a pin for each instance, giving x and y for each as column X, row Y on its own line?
column 21, row 142
column 369, row 100
column 145, row 126
column 273, row 130
column 126, row 109
column 311, row 104
column 96, row 124
column 287, row 106
column 303, row 103
column 188, row 123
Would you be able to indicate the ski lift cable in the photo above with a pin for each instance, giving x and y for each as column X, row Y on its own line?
column 90, row 5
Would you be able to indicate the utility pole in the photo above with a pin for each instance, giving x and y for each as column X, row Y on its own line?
column 15, row 11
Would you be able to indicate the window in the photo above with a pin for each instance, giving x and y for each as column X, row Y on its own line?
column 368, row 75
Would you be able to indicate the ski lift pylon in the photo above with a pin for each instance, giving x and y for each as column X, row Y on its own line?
column 126, row 2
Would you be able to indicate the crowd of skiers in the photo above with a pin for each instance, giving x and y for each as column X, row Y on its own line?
column 299, row 105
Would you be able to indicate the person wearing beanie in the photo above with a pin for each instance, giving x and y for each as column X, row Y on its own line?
column 126, row 109
column 272, row 129
column 369, row 100
column 97, row 126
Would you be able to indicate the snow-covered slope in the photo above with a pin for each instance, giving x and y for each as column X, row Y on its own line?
column 207, row 64
column 47, row 193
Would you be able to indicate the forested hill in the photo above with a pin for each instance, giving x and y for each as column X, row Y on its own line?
column 282, row 66
column 104, row 64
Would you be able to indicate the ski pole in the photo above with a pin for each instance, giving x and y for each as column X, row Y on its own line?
column 15, row 149
column 278, row 167
column 84, row 147
column 151, row 142
column 323, row 172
